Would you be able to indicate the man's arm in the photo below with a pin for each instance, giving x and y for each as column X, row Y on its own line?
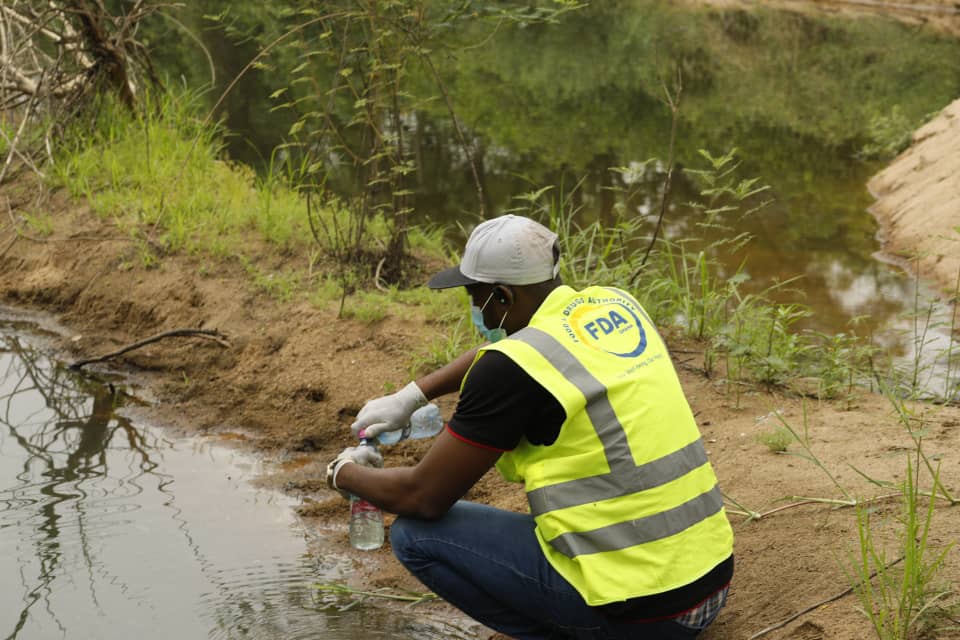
column 447, row 378
column 426, row 490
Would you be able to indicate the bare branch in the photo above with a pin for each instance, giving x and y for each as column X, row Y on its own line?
column 209, row 334
column 55, row 55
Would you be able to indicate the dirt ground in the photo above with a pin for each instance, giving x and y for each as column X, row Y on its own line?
column 291, row 377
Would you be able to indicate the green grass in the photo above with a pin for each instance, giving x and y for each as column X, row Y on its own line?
column 166, row 171
column 899, row 590
column 367, row 307
column 778, row 439
column 455, row 335
column 161, row 177
column 280, row 285
column 39, row 223
column 146, row 172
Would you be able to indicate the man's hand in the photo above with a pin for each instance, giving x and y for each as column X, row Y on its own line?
column 389, row 413
column 364, row 455
column 444, row 474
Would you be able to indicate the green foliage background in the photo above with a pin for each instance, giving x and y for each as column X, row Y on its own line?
column 589, row 81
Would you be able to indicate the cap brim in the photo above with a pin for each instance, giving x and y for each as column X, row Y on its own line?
column 449, row 278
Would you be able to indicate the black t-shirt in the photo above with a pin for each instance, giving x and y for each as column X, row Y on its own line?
column 500, row 405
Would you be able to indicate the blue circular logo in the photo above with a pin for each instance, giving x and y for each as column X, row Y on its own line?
column 610, row 326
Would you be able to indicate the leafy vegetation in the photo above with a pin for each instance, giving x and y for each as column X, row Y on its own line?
column 349, row 101
column 895, row 577
column 901, row 595
column 747, row 337
column 539, row 101
column 161, row 176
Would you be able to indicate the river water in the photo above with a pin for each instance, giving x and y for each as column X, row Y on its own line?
column 111, row 529
column 813, row 102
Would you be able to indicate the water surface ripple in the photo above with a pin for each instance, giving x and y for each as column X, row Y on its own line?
column 114, row 530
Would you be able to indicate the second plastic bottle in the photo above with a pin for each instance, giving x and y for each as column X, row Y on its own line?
column 366, row 521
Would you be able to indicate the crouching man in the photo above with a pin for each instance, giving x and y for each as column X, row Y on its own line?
column 575, row 395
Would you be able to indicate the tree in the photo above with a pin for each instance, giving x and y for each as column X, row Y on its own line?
column 54, row 58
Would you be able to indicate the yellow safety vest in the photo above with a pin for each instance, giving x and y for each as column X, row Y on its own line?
column 625, row 502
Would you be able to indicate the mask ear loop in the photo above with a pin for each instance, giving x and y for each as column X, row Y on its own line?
column 489, row 298
column 503, row 319
column 502, row 299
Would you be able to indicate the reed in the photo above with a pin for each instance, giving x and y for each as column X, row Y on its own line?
column 902, row 600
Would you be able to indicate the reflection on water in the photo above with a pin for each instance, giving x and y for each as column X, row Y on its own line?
column 112, row 530
column 561, row 104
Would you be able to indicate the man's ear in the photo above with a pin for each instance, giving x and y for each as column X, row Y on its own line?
column 503, row 295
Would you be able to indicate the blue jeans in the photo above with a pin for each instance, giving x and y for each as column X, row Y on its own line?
column 488, row 563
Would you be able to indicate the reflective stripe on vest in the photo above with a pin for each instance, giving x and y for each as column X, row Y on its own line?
column 624, row 478
column 626, row 534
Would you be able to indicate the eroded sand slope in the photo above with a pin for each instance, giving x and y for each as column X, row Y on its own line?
column 918, row 198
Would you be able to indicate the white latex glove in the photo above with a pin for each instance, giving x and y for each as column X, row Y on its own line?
column 365, row 455
column 389, row 413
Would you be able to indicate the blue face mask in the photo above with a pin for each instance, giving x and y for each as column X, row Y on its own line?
column 476, row 314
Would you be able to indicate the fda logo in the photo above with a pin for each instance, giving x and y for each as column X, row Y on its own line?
column 605, row 325
column 611, row 326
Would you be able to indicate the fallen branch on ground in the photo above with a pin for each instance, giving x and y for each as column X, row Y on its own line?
column 800, row 501
column 210, row 334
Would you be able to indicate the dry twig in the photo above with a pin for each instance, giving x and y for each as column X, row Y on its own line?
column 210, row 334
column 378, row 283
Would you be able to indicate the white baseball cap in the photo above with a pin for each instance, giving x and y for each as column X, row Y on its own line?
column 506, row 250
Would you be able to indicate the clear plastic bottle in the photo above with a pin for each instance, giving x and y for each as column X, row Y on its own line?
column 425, row 422
column 366, row 525
column 366, row 521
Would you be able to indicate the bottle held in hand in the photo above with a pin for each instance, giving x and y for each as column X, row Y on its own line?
column 366, row 521
column 425, row 422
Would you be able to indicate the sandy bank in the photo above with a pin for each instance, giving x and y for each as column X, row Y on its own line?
column 940, row 15
column 918, row 198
